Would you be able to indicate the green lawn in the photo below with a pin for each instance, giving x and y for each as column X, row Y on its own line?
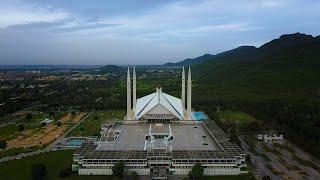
column 235, row 116
column 54, row 161
column 11, row 131
column 36, row 118
column 91, row 126
column 15, row 151
column 239, row 177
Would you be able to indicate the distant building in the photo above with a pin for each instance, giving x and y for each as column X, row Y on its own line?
column 47, row 121
column 270, row 138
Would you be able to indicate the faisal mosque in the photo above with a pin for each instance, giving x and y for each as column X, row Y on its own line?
column 159, row 137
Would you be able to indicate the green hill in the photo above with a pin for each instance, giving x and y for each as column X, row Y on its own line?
column 285, row 69
column 278, row 83
column 111, row 69
column 189, row 61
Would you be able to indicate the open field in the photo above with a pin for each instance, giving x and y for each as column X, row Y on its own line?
column 42, row 137
column 91, row 126
column 54, row 162
column 10, row 131
column 35, row 136
column 235, row 116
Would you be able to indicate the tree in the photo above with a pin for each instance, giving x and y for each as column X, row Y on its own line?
column 20, row 127
column 39, row 171
column 133, row 175
column 118, row 169
column 73, row 113
column 3, row 144
column 96, row 117
column 196, row 172
column 28, row 116
column 58, row 123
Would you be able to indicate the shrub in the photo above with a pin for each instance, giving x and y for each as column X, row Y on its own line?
column 58, row 123
column 118, row 169
column 196, row 172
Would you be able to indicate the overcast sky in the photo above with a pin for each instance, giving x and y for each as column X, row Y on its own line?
column 145, row 31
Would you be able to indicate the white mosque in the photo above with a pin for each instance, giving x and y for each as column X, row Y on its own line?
column 158, row 106
column 160, row 137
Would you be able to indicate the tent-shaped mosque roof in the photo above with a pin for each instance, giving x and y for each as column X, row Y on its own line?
column 151, row 101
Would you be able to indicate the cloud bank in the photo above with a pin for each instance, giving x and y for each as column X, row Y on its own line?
column 142, row 32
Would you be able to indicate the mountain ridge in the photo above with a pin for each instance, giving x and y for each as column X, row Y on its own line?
column 274, row 46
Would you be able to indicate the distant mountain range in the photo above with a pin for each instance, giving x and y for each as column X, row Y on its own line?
column 274, row 46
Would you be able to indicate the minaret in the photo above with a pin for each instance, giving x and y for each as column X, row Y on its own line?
column 189, row 95
column 128, row 96
column 134, row 91
column 183, row 90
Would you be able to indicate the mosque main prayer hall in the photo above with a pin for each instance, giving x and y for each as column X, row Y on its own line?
column 160, row 136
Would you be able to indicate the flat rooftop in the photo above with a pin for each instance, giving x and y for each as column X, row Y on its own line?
column 192, row 137
column 187, row 144
column 185, row 137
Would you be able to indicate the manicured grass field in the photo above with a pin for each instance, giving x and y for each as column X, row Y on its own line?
column 21, row 169
column 54, row 162
column 235, row 116
column 239, row 177
column 91, row 126
column 15, row 151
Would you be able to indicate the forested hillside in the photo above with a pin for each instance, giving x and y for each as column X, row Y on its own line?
column 278, row 82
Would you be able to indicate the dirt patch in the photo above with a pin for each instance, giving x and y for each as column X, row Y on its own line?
column 70, row 118
column 78, row 117
column 66, row 118
column 45, row 135
column 42, row 137
column 27, row 132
